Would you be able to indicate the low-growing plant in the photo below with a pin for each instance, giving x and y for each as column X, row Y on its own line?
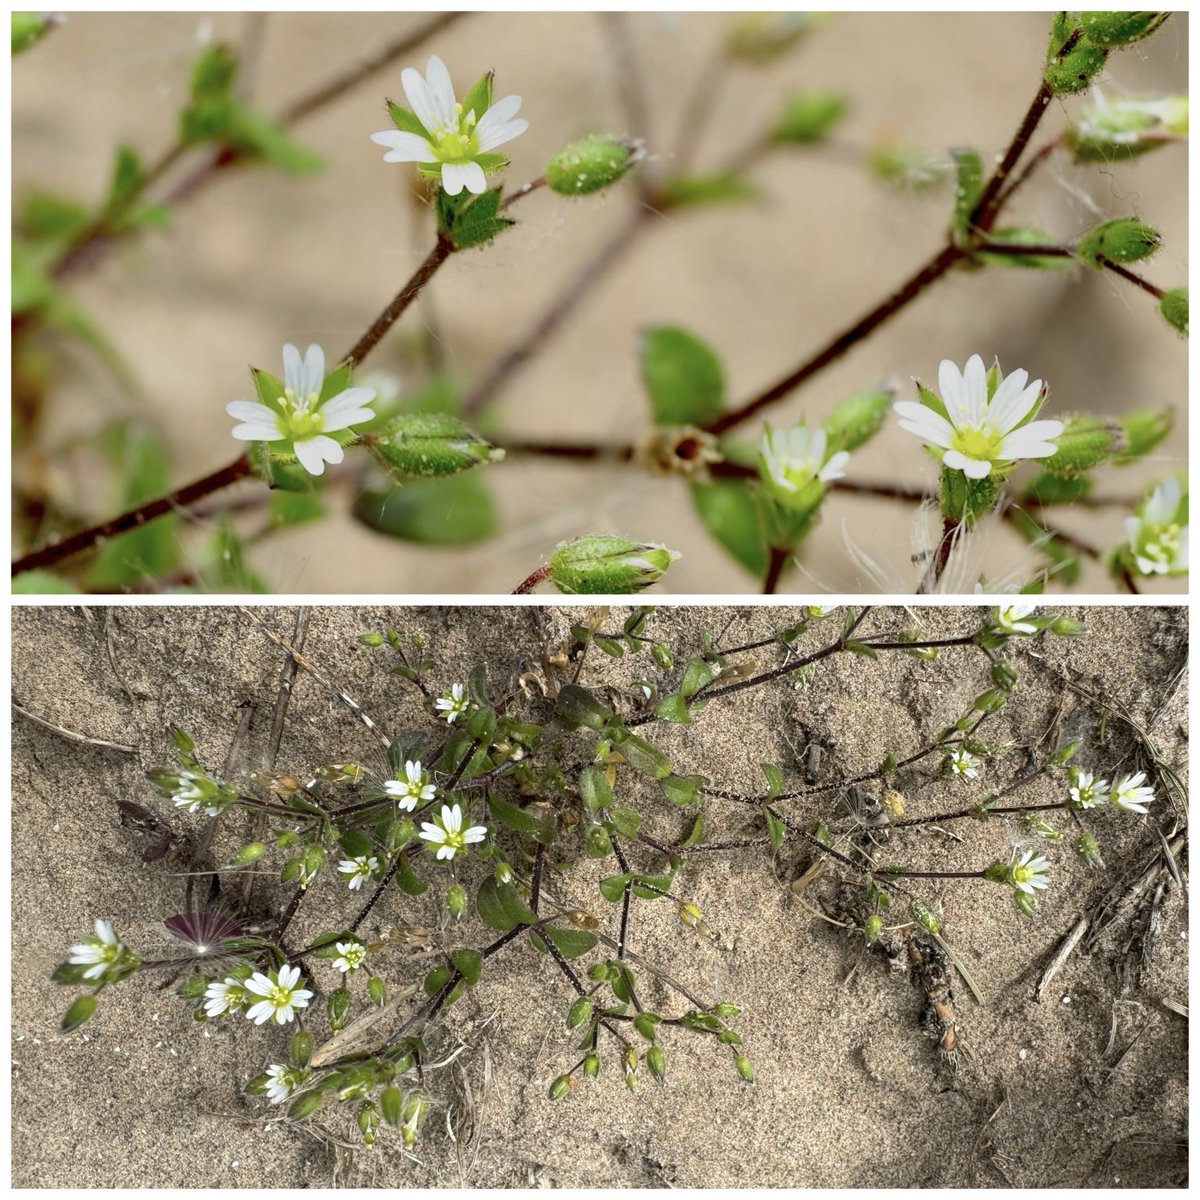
column 539, row 807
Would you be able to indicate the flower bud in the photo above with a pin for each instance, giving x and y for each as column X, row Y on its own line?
column 376, row 990
column 456, row 900
column 1066, row 627
column 429, row 445
column 1125, row 128
column 873, row 928
column 1174, row 308
column 371, row 639
column 390, row 1103
column 1071, row 60
column 744, row 1068
column 416, row 1105
column 760, row 37
column 560, row 1086
column 368, row 1121
column 808, row 116
column 591, row 164
column 858, row 418
column 629, row 1059
column 605, row 562
column 725, row 1010
column 581, row 1011
column 924, row 917
column 907, row 167
column 591, row 1065
column 251, row 852
column 1026, row 903
column 1119, row 28
column 1088, row 850
column 339, row 1008
column 301, row 1048
column 1038, row 826
column 656, row 1061
column 1085, row 443
column 1003, row 675
column 1122, row 240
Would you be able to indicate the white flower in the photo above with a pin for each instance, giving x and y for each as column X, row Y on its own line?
column 300, row 416
column 414, row 788
column 283, row 1082
column 1010, row 618
column 97, row 952
column 1086, row 791
column 453, row 704
column 196, row 792
column 1029, row 873
column 818, row 612
column 461, row 142
column 975, row 426
column 1130, row 793
column 1158, row 535
column 963, row 764
column 224, row 997
column 791, row 459
column 351, row 956
column 358, row 869
column 448, row 834
column 280, row 995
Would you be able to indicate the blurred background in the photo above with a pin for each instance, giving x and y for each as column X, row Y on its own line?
column 257, row 257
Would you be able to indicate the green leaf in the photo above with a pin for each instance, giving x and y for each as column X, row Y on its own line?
column 594, row 789
column 576, row 707
column 259, row 137
column 211, row 110
column 229, row 571
column 612, row 887
column 512, row 817
column 79, row 1012
column 294, row 508
column 697, row 674
column 409, row 882
column 139, row 458
column 857, row 419
column 625, row 821
column 696, row 835
column 570, row 943
column 447, row 512
column 1053, row 489
column 645, row 758
column 732, row 513
column 500, row 906
column 774, row 779
column 47, row 217
column 776, row 829
column 808, row 116
column 1025, row 236
column 682, row 375
column 683, row 789
column 721, row 188
column 126, row 184
column 28, row 28
column 1143, row 430
column 469, row 964
column 41, row 583
column 673, row 708
column 1060, row 554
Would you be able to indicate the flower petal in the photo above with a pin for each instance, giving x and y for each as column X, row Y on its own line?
column 425, row 100
column 441, row 88
column 312, row 378
column 293, row 369
column 1013, row 401
column 315, row 452
column 469, row 175
column 404, row 147
column 1030, row 441
column 496, row 126
column 924, row 422
column 972, row 468
column 351, row 407
column 952, row 390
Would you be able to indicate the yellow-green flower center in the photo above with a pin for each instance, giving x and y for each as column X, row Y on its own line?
column 981, row 443
column 302, row 418
column 458, row 144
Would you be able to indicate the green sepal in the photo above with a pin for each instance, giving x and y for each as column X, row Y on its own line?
column 682, row 376
column 966, row 500
column 1119, row 28
column 407, row 122
column 601, row 563
column 1143, row 430
column 1072, row 62
column 470, row 219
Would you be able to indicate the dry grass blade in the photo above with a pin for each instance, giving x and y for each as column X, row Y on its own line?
column 344, row 1042
column 1065, row 948
column 70, row 734
column 1175, row 1006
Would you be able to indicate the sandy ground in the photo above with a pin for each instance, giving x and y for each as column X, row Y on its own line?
column 1087, row 1087
column 259, row 259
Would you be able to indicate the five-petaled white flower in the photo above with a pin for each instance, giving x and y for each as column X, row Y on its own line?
column 791, row 459
column 97, row 952
column 461, row 142
column 414, row 788
column 1086, row 791
column 284, row 1081
column 1010, row 618
column 280, row 995
column 982, row 420
column 196, row 792
column 818, row 612
column 1158, row 534
column 224, row 997
column 359, row 869
column 1131, row 794
column 351, row 956
column 453, row 704
column 300, row 416
column 1029, row 873
column 448, row 835
column 963, row 764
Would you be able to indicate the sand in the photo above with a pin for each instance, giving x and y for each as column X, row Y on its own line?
column 260, row 258
column 1087, row 1087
